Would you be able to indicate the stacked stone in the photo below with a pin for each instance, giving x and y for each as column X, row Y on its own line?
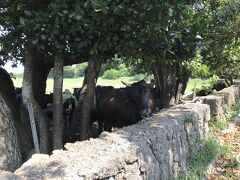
column 222, row 101
column 156, row 148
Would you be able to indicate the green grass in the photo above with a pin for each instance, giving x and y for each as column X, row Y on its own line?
column 77, row 82
column 200, row 156
column 218, row 124
column 224, row 123
column 225, row 150
column 199, row 83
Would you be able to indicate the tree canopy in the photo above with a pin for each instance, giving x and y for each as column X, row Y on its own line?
column 169, row 38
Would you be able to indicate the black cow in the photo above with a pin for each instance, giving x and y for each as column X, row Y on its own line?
column 124, row 106
column 221, row 84
column 77, row 92
column 18, row 92
column 48, row 99
column 68, row 109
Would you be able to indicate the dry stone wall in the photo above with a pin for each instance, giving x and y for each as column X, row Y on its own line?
column 156, row 148
column 222, row 101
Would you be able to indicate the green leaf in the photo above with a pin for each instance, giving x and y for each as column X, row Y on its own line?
column 99, row 5
column 199, row 37
column 22, row 21
column 77, row 39
column 65, row 12
column 78, row 17
column 42, row 46
column 28, row 13
column 43, row 37
column 170, row 12
column 34, row 42
column 178, row 35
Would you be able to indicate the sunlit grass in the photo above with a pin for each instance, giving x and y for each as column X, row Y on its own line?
column 70, row 83
column 199, row 83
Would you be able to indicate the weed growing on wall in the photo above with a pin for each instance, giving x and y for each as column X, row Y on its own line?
column 189, row 119
column 224, row 123
column 235, row 111
column 200, row 156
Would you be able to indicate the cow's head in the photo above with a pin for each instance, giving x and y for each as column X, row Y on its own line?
column 140, row 93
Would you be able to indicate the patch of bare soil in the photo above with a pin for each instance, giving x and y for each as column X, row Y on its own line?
column 228, row 166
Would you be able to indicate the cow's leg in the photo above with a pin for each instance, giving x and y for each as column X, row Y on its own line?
column 70, row 118
column 100, row 126
column 65, row 119
column 108, row 127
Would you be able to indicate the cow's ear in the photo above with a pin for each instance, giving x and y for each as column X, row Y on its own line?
column 126, row 84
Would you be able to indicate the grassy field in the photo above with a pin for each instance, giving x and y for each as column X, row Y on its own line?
column 199, row 83
column 77, row 82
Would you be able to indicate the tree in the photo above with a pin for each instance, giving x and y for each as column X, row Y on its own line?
column 29, row 99
column 158, row 36
column 97, row 29
column 165, row 37
column 57, row 102
column 221, row 37
column 49, row 28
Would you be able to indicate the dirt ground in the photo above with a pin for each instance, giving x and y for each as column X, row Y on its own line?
column 228, row 166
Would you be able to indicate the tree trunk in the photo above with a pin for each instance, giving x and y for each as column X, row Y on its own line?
column 186, row 74
column 10, row 148
column 171, row 82
column 27, row 95
column 166, row 84
column 183, row 75
column 7, row 92
column 87, row 103
column 78, row 109
column 40, row 74
column 57, row 103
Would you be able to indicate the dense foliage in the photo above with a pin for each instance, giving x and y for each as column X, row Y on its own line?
column 171, row 39
column 221, row 32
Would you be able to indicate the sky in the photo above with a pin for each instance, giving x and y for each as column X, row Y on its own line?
column 15, row 70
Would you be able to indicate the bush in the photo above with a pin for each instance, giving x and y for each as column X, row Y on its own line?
column 111, row 74
column 79, row 70
column 119, row 64
column 68, row 72
column 204, row 91
column 213, row 80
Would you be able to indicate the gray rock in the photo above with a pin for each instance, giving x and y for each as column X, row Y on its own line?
column 222, row 101
column 6, row 175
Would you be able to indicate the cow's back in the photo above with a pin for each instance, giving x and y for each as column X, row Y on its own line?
column 116, row 109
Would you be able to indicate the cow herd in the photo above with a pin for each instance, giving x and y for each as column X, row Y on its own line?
column 113, row 107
